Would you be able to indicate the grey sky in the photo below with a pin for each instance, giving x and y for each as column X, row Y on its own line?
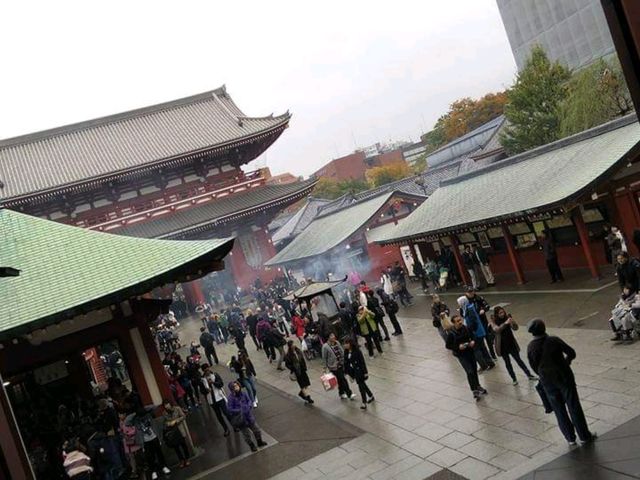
column 362, row 71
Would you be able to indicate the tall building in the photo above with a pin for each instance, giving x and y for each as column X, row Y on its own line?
column 574, row 32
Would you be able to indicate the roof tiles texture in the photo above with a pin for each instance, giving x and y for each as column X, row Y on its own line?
column 75, row 153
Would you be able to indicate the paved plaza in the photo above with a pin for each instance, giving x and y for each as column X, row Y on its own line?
column 425, row 420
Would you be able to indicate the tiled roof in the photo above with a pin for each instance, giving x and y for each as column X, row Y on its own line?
column 124, row 142
column 199, row 217
column 543, row 177
column 300, row 220
column 68, row 270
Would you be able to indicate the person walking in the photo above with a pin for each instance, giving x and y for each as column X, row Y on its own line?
column 369, row 329
column 277, row 342
column 470, row 261
column 551, row 257
column 462, row 343
column 207, row 341
column 216, row 397
column 297, row 365
column 483, row 308
column 373, row 304
column 240, row 407
column 420, row 274
column 333, row 359
column 483, row 262
column 356, row 368
column 175, row 430
column 252, row 324
column 506, row 344
column 439, row 310
column 262, row 328
column 550, row 357
column 386, row 282
column 297, row 326
column 143, row 423
column 392, row 308
column 473, row 322
column 212, row 327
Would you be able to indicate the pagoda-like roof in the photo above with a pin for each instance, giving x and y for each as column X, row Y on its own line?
column 66, row 271
column 163, row 134
column 202, row 217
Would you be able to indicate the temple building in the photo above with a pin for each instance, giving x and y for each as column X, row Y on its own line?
column 171, row 170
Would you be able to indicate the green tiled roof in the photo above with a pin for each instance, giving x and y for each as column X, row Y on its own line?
column 541, row 178
column 326, row 232
column 68, row 270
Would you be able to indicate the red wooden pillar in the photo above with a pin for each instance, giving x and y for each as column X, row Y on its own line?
column 513, row 255
column 583, row 233
column 193, row 292
column 133, row 366
column 11, row 444
column 456, row 253
column 159, row 373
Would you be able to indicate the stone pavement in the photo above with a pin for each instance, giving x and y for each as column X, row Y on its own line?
column 424, row 419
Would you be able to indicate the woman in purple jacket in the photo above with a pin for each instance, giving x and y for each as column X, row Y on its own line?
column 240, row 406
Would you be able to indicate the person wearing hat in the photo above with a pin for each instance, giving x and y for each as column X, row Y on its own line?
column 550, row 357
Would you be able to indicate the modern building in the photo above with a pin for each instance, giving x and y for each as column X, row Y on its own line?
column 573, row 32
column 570, row 189
column 171, row 170
column 413, row 152
column 355, row 165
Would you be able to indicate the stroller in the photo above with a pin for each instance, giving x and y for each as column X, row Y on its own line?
column 624, row 319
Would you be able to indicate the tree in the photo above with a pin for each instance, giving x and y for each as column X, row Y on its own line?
column 420, row 164
column 534, row 104
column 595, row 95
column 330, row 189
column 384, row 174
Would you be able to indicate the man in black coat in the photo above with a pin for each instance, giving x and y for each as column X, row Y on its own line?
column 207, row 340
column 483, row 262
column 470, row 262
column 551, row 358
column 551, row 257
column 628, row 271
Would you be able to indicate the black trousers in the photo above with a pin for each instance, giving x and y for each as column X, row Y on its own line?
column 565, row 402
column 394, row 322
column 468, row 362
column 255, row 340
column 343, row 383
column 518, row 360
column 381, row 325
column 364, row 390
column 182, row 451
column 372, row 338
column 554, row 269
column 220, row 409
column 154, row 456
column 211, row 354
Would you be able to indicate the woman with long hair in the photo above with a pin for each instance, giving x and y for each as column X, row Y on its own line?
column 506, row 344
column 295, row 362
column 356, row 368
column 461, row 342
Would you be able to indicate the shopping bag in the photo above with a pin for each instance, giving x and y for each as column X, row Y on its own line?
column 329, row 381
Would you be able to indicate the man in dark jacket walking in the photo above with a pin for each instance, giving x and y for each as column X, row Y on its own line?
column 551, row 358
column 470, row 262
column 628, row 271
column 551, row 257
column 483, row 262
column 207, row 340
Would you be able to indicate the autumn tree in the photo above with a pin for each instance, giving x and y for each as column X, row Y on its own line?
column 330, row 189
column 384, row 174
column 533, row 108
column 420, row 164
column 595, row 95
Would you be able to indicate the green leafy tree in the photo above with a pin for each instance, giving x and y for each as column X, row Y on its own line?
column 420, row 164
column 534, row 104
column 385, row 174
column 330, row 189
column 595, row 95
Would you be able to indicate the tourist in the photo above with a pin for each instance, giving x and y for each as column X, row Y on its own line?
column 207, row 341
column 277, row 341
column 175, row 431
column 439, row 310
column 252, row 323
column 75, row 461
column 297, row 326
column 356, row 368
column 295, row 362
column 431, row 270
column 333, row 359
column 281, row 318
column 398, row 275
column 212, row 327
column 373, row 305
column 346, row 320
column 482, row 307
column 142, row 420
column 551, row 358
column 551, row 257
column 473, row 322
column 461, row 342
column 506, row 344
column 628, row 272
column 420, row 274
column 249, row 372
column 369, row 329
column 236, row 366
column 391, row 307
column 216, row 397
column 385, row 281
column 132, row 448
column 483, row 262
column 240, row 407
column 624, row 314
column 470, row 262
column 324, row 326
column 262, row 328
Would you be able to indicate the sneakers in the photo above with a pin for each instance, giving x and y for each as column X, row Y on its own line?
column 255, row 404
column 310, row 400
column 166, row 471
column 594, row 436
column 154, row 476
column 352, row 396
column 476, row 395
column 483, row 391
column 363, row 406
column 371, row 400
column 573, row 444
column 253, row 447
column 343, row 396
column 533, row 378
column 514, row 383
column 262, row 443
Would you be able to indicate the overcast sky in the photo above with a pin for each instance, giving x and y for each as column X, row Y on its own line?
column 351, row 72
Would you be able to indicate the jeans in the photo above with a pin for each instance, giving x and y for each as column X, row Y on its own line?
column 364, row 391
column 247, row 386
column 516, row 357
column 381, row 325
column 372, row 338
column 256, row 342
column 468, row 362
column 554, row 269
column 563, row 398
column 343, row 384
column 217, row 336
column 246, row 433
column 482, row 355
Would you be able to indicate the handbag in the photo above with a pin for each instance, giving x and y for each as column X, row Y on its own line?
column 329, row 381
